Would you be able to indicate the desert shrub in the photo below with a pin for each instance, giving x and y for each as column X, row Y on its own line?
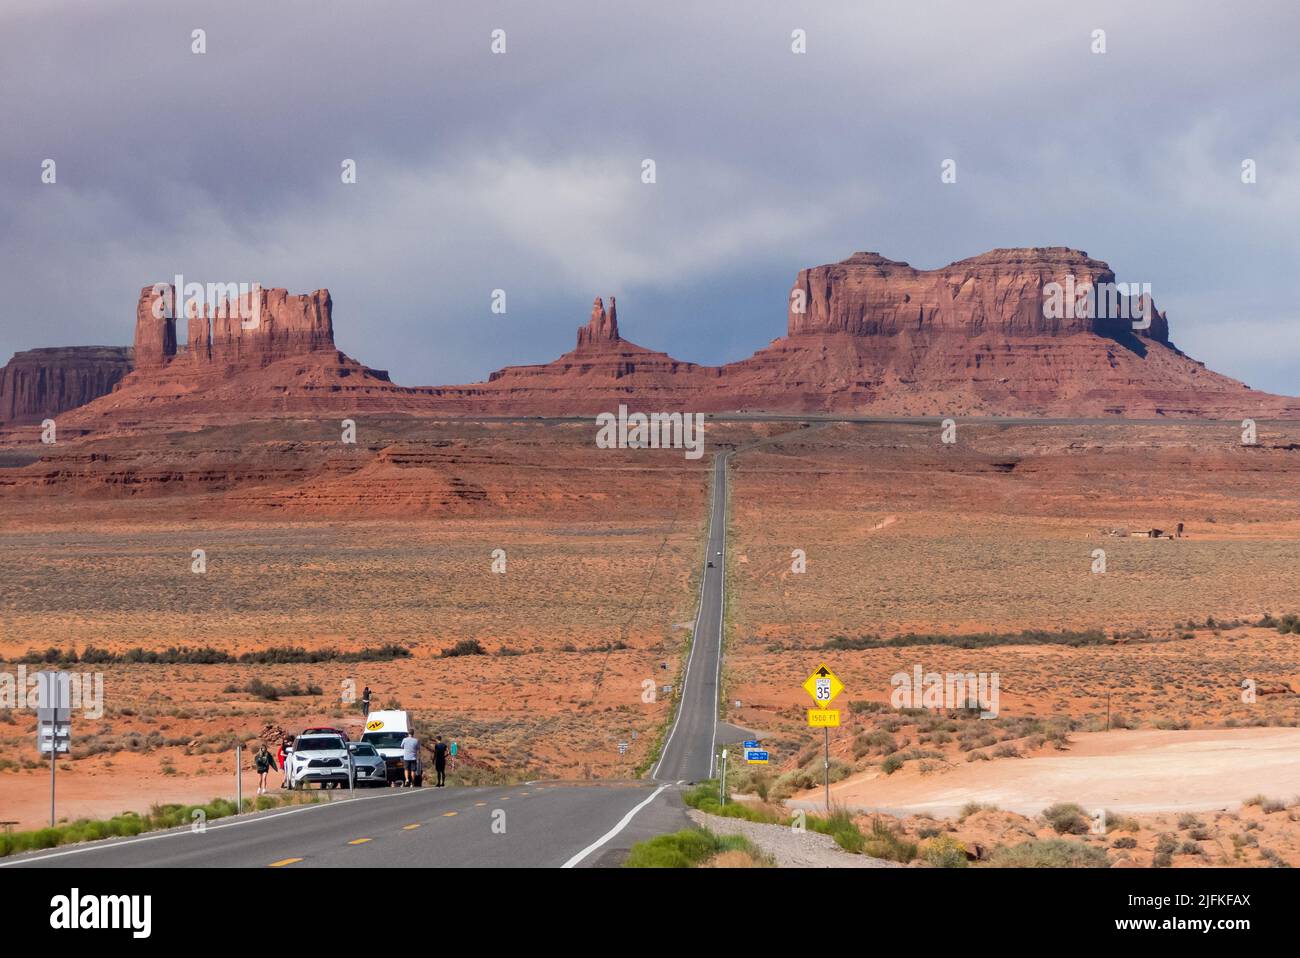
column 1049, row 853
column 1125, row 841
column 978, row 640
column 972, row 808
column 464, row 647
column 884, row 842
column 944, row 852
column 809, row 776
column 1066, row 818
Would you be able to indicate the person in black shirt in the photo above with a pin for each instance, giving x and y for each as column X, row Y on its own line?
column 440, row 760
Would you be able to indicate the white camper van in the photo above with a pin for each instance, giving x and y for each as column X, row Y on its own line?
column 385, row 731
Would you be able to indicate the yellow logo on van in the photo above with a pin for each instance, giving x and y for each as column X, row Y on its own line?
column 374, row 726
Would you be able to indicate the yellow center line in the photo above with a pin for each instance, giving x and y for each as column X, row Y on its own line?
column 282, row 862
column 407, row 828
column 479, row 804
column 360, row 841
column 449, row 814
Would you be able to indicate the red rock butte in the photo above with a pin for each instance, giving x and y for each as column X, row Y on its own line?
column 865, row 335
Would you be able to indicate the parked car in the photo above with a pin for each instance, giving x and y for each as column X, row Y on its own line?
column 322, row 758
column 369, row 764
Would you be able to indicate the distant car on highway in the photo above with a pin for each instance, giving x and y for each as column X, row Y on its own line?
column 371, row 769
column 321, row 758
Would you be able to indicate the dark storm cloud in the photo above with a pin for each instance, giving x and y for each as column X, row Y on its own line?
column 521, row 171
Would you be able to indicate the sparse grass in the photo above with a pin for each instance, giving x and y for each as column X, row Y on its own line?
column 689, row 848
column 1049, row 853
column 884, row 842
column 130, row 823
column 841, row 827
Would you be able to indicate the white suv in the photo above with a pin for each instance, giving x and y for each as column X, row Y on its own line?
column 323, row 758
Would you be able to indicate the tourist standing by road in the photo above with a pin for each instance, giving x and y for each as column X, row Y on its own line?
column 264, row 761
column 440, row 760
column 410, row 757
column 286, row 751
column 365, row 700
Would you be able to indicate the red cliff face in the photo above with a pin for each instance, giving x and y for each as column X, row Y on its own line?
column 40, row 383
column 865, row 335
column 251, row 329
column 1003, row 292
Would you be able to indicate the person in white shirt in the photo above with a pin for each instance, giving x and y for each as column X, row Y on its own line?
column 410, row 757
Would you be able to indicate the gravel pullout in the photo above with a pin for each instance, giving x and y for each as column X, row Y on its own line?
column 790, row 849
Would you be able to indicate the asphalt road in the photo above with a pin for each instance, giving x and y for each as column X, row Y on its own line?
column 688, row 752
column 540, row 825
column 547, row 824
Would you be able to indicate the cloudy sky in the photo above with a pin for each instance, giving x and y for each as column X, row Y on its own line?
column 522, row 171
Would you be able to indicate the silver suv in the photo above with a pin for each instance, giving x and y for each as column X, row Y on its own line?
column 369, row 764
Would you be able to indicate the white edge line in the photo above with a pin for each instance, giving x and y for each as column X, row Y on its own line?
column 182, row 830
column 622, row 824
column 722, row 610
column 699, row 610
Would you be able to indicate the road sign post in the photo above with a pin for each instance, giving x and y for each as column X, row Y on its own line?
column 822, row 686
column 722, row 785
column 54, row 721
column 239, row 777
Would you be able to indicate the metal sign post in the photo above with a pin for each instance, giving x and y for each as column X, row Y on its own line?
column 722, row 785
column 54, row 721
column 822, row 687
column 239, row 777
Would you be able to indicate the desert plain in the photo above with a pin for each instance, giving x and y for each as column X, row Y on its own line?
column 570, row 574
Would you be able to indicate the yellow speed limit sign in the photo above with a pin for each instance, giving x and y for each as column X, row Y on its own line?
column 823, row 686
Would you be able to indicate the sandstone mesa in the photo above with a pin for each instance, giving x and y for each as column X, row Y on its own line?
column 874, row 336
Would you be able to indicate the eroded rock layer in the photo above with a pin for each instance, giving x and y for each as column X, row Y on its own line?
column 40, row 383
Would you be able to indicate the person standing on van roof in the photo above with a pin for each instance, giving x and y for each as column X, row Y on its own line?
column 365, row 700
column 410, row 757
column 440, row 760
